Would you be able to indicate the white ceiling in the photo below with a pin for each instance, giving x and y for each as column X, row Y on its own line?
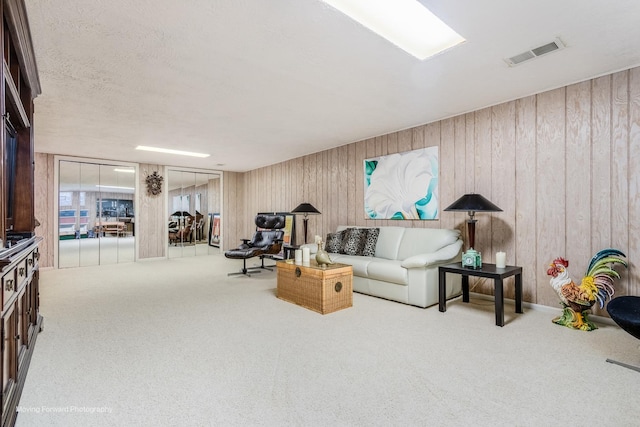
column 256, row 82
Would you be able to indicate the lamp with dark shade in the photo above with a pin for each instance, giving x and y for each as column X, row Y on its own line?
column 306, row 209
column 472, row 203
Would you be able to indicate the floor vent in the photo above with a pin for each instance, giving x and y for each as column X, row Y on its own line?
column 535, row 52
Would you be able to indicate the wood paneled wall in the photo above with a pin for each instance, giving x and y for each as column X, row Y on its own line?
column 44, row 205
column 564, row 166
column 151, row 221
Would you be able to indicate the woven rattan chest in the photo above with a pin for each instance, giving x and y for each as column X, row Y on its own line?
column 324, row 290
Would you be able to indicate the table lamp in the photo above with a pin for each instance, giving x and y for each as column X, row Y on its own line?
column 472, row 203
column 306, row 209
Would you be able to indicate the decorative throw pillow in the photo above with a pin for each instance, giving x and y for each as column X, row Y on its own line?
column 371, row 238
column 334, row 242
column 352, row 242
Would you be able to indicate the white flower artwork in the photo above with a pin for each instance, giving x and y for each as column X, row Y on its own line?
column 402, row 185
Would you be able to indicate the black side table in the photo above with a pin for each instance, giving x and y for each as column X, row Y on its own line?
column 488, row 270
column 289, row 251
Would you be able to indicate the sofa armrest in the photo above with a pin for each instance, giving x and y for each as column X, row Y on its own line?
column 448, row 253
column 313, row 248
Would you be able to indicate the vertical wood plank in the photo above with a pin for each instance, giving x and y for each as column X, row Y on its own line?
column 460, row 171
column 619, row 170
column 447, row 172
column 470, row 133
column 525, row 200
column 601, row 161
column 417, row 137
column 503, row 191
column 333, row 188
column 361, row 155
column 403, row 143
column 342, row 186
column 352, row 175
column 431, row 135
column 634, row 180
column 550, row 170
column 370, row 153
column 578, row 177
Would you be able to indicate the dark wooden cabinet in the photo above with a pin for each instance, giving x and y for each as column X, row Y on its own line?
column 21, row 321
column 19, row 255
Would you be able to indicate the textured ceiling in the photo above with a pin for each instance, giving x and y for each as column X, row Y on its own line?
column 256, row 82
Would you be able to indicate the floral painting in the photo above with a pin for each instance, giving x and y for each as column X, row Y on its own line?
column 402, row 185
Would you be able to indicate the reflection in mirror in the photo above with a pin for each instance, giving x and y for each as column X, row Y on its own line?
column 126, row 215
column 89, row 191
column 189, row 201
column 193, row 199
column 68, row 220
column 97, row 203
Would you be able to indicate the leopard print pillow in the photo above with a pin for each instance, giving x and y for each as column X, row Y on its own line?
column 370, row 241
column 334, row 242
column 352, row 242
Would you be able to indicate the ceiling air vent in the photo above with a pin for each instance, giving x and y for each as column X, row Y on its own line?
column 535, row 52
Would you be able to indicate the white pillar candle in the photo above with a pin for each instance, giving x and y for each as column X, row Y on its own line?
column 306, row 254
column 501, row 260
column 298, row 256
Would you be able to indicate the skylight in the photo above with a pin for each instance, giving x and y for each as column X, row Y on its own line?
column 405, row 23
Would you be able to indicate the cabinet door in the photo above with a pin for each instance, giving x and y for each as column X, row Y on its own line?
column 9, row 353
column 22, row 336
column 34, row 290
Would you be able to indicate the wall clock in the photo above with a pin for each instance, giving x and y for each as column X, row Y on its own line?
column 154, row 183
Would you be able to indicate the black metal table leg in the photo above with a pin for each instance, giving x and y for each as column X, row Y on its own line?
column 442, row 291
column 465, row 288
column 499, row 297
column 518, row 293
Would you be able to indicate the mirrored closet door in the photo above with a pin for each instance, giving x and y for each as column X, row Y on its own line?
column 194, row 213
column 96, row 215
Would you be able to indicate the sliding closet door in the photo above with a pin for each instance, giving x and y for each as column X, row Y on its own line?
column 68, row 214
column 96, row 214
column 193, row 198
column 125, row 179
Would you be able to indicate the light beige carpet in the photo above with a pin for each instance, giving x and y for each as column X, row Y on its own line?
column 178, row 343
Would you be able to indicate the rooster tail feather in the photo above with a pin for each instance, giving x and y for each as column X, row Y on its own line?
column 605, row 271
column 605, row 253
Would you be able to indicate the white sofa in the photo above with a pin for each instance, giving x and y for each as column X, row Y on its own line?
column 405, row 265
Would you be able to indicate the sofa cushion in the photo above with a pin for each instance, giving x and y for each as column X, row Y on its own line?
column 389, row 242
column 425, row 240
column 334, row 242
column 359, row 263
column 353, row 241
column 388, row 271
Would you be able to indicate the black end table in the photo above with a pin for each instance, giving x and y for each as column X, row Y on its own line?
column 487, row 270
column 289, row 251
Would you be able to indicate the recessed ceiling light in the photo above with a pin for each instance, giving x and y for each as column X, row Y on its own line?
column 170, row 151
column 405, row 23
column 125, row 170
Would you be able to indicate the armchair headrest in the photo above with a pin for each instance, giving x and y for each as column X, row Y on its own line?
column 270, row 221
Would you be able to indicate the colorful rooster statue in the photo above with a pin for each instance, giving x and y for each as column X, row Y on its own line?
column 596, row 285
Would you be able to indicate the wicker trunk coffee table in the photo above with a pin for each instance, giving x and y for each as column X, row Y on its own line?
column 324, row 290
